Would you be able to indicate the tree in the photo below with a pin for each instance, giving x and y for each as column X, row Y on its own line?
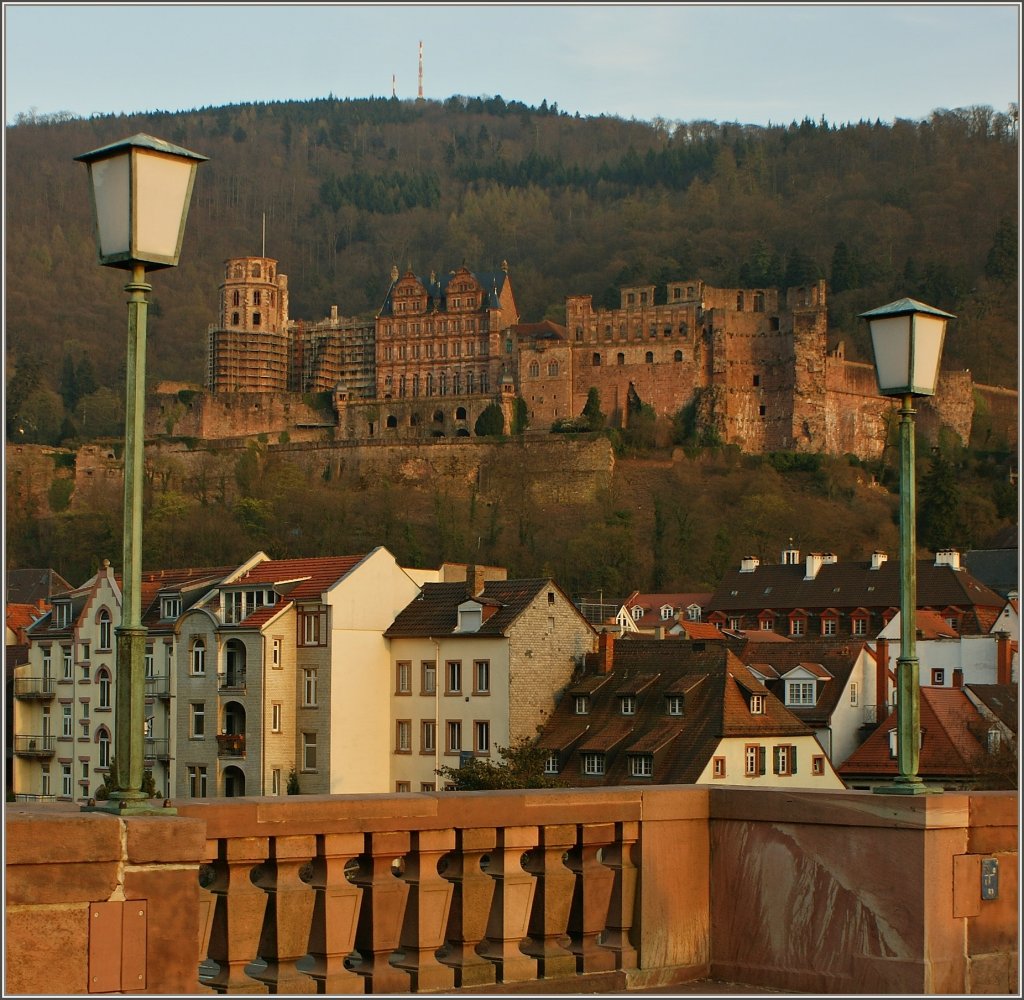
column 491, row 422
column 521, row 765
column 939, row 524
column 592, row 410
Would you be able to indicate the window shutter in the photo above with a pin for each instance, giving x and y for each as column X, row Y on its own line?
column 762, row 757
column 776, row 760
column 792, row 760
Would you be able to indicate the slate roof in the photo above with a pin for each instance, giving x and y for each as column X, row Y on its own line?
column 847, row 586
column 716, row 688
column 26, row 586
column 435, row 610
column 949, row 747
column 191, row 584
column 1001, row 700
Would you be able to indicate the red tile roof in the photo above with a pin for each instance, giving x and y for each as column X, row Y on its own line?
column 313, row 576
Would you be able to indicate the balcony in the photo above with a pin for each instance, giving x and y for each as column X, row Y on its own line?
column 157, row 748
column 34, row 688
column 158, row 686
column 34, row 746
column 232, row 680
column 541, row 891
column 231, row 744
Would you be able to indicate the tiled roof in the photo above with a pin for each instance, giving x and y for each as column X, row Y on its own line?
column 545, row 330
column 714, row 706
column 847, row 586
column 25, row 586
column 1000, row 699
column 312, row 576
column 949, row 746
column 700, row 630
column 653, row 603
column 20, row 616
column 192, row 581
column 435, row 611
column 931, row 625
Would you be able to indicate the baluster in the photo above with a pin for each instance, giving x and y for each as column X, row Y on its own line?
column 594, row 881
column 510, row 908
column 619, row 858
column 335, row 913
column 238, row 917
column 470, row 908
column 381, row 912
column 552, row 902
column 207, row 909
column 426, row 912
column 286, row 923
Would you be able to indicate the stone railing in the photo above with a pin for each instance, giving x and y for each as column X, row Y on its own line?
column 521, row 891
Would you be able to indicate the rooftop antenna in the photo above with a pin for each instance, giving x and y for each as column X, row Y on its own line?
column 393, row 92
column 420, row 94
column 264, row 254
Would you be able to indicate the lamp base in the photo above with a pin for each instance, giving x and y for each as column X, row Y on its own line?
column 136, row 807
column 904, row 787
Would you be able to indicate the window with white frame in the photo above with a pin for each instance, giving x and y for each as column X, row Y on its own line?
column 103, row 679
column 197, row 657
column 67, row 720
column 197, row 720
column 627, row 704
column 428, row 677
column 149, row 661
column 309, row 688
column 796, row 626
column 581, row 704
column 103, row 746
column 403, row 677
column 168, row 658
column 800, row 692
column 551, row 763
column 309, row 751
column 641, row 765
column 718, row 767
column 853, row 693
column 593, row 763
column 275, row 781
column 767, row 624
column 828, row 626
column 753, row 760
column 428, row 736
column 66, row 663
column 403, row 736
column 170, row 608
column 197, row 782
column 784, row 759
column 453, row 729
column 734, row 624
column 757, row 704
column 85, row 649
column 275, row 717
column 44, row 779
column 65, row 781
column 313, row 627
column 674, row 704
column 859, row 626
column 62, row 613
column 818, row 764
column 47, row 665
column 482, row 737
column 481, row 676
column 666, row 612
column 938, row 677
column 103, row 620
column 277, row 653
column 638, row 613
column 428, row 786
column 453, row 677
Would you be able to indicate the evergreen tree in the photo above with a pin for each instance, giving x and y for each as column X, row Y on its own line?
column 491, row 422
column 592, row 410
column 1001, row 263
column 939, row 524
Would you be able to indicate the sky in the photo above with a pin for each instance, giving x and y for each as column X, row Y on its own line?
column 750, row 63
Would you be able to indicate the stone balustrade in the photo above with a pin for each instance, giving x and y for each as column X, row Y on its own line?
column 522, row 891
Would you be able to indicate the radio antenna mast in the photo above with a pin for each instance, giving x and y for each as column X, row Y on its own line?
column 420, row 95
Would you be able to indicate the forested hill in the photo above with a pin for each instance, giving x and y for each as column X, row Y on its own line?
column 575, row 205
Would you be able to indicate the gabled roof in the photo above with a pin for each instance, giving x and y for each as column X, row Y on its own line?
column 190, row 584
column 545, row 330
column 949, row 746
column 492, row 283
column 653, row 603
column 435, row 610
column 309, row 578
column 699, row 630
column 27, row 586
column 1000, row 699
column 715, row 706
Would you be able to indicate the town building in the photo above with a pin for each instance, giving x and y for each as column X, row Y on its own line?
column 660, row 614
column 283, row 674
column 821, row 596
column 960, row 746
column 477, row 665
column 667, row 711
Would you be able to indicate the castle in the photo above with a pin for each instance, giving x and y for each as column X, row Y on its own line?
column 752, row 363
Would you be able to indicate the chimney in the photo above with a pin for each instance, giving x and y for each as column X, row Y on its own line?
column 815, row 560
column 475, row 580
column 878, row 559
column 948, row 557
column 334, row 314
column 605, row 652
column 1004, row 658
column 958, row 679
column 749, row 563
column 790, row 556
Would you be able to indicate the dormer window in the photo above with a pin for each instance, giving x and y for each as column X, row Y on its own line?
column 674, row 704
column 638, row 613
column 170, row 607
column 470, row 617
column 581, row 704
column 757, row 704
column 627, row 704
column 666, row 612
column 62, row 613
column 800, row 692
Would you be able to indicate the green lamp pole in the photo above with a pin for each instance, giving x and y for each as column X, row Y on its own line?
column 907, row 337
column 141, row 189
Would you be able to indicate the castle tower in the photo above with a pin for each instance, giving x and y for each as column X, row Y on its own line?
column 249, row 349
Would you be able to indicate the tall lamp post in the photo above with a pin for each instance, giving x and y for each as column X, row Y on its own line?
column 906, row 337
column 141, row 189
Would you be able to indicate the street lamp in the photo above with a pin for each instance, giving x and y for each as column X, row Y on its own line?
column 906, row 337
column 141, row 189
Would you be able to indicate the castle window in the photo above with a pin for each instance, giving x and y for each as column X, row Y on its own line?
column 552, row 367
column 234, row 319
column 596, row 360
column 620, row 358
column 774, row 323
column 759, row 302
column 668, row 331
column 643, row 298
column 649, row 357
column 256, row 300
column 630, row 299
column 760, row 411
column 234, row 299
column 739, row 302
column 608, row 331
column 255, row 319
column 392, row 421
column 757, row 381
column 677, row 293
column 678, row 356
column 255, row 270
column 460, row 413
column 534, row 369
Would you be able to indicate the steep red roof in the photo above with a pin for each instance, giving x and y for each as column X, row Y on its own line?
column 313, row 576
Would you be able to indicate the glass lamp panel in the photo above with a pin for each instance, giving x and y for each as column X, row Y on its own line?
column 161, row 196
column 928, row 334
column 111, row 196
column 890, row 340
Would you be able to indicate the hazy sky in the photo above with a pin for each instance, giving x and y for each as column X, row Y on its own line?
column 724, row 62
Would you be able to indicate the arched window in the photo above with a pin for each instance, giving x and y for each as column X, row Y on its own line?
column 552, row 367
column 620, row 358
column 255, row 270
column 460, row 413
column 649, row 357
column 596, row 361
column 197, row 657
column 103, row 742
column 678, row 356
column 392, row 421
column 103, row 679
column 534, row 369
column 438, row 417
column 103, row 620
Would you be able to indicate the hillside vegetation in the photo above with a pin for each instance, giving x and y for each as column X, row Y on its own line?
column 349, row 188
